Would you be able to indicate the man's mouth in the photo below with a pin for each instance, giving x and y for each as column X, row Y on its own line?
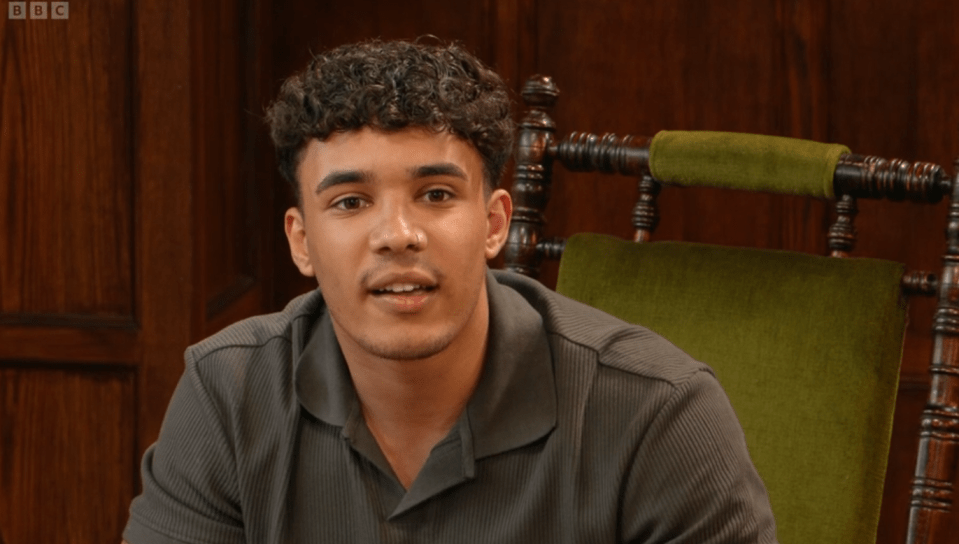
column 404, row 289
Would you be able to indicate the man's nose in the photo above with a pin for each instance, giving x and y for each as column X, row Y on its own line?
column 396, row 231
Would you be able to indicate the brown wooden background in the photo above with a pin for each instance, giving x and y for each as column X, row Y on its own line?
column 140, row 211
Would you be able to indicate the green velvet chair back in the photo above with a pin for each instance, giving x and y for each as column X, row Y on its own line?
column 808, row 347
column 813, row 383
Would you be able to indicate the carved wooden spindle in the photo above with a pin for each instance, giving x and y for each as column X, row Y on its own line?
column 609, row 153
column 551, row 248
column 933, row 495
column 875, row 177
column 920, row 283
column 646, row 211
column 612, row 154
column 842, row 233
column 532, row 176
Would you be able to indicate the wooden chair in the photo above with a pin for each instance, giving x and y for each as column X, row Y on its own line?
column 808, row 347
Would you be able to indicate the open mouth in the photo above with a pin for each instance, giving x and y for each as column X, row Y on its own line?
column 404, row 289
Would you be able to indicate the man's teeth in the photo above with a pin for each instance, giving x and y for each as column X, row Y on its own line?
column 401, row 288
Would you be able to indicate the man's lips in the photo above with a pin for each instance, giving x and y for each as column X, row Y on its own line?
column 405, row 295
column 402, row 284
column 403, row 289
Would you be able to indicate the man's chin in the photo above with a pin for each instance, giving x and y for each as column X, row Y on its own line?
column 406, row 349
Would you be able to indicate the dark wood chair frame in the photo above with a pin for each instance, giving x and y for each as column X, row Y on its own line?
column 856, row 176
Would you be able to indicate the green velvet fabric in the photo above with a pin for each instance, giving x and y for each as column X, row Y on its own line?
column 745, row 161
column 807, row 347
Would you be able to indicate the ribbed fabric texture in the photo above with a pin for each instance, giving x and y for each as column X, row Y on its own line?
column 807, row 347
column 745, row 161
column 644, row 446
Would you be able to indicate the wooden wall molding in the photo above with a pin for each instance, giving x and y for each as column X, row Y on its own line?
column 80, row 346
column 67, row 320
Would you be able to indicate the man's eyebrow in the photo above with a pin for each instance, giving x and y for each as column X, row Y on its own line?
column 338, row 177
column 439, row 169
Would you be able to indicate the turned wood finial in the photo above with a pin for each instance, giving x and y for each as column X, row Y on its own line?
column 540, row 92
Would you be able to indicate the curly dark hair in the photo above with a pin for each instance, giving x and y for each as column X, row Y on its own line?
column 391, row 86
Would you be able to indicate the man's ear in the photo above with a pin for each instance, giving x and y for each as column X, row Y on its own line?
column 296, row 235
column 499, row 210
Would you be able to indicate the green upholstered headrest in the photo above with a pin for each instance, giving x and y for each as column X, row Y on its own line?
column 745, row 161
column 806, row 347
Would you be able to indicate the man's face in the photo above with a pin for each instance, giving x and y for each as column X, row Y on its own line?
column 396, row 228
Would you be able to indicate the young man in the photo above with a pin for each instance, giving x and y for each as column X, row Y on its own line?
column 416, row 396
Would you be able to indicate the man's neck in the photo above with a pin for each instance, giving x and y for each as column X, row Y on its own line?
column 410, row 405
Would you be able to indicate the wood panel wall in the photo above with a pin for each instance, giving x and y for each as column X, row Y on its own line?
column 140, row 210
column 129, row 227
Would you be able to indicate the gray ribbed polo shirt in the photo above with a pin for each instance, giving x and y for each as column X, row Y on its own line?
column 582, row 429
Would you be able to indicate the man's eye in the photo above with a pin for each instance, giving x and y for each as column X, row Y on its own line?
column 349, row 203
column 438, row 195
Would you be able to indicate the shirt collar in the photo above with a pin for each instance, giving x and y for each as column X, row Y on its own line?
column 515, row 400
column 322, row 380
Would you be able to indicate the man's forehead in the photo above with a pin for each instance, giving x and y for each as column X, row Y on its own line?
column 418, row 151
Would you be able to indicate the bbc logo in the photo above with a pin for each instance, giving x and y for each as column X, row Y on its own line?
column 38, row 10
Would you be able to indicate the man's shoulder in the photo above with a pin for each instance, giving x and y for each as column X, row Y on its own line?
column 247, row 368
column 614, row 344
column 261, row 331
